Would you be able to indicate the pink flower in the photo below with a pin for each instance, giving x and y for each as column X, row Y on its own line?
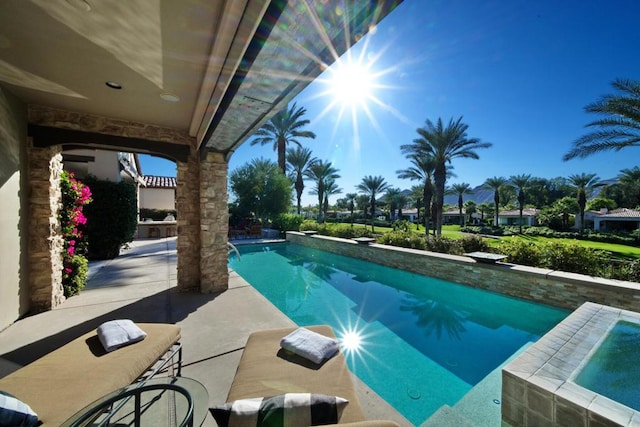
column 71, row 250
column 72, row 242
column 68, row 270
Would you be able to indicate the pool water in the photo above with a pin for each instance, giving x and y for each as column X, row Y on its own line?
column 418, row 342
column 613, row 370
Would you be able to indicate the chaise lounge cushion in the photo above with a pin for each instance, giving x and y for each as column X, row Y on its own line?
column 13, row 412
column 267, row 370
column 285, row 410
column 66, row 380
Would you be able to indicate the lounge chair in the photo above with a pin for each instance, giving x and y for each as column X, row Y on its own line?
column 61, row 383
column 266, row 370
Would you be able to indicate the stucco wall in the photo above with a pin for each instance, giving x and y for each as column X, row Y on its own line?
column 14, row 298
column 105, row 166
column 157, row 198
column 557, row 288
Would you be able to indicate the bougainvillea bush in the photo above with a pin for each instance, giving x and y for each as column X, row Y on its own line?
column 75, row 195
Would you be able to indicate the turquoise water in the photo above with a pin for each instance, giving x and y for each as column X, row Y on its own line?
column 613, row 369
column 424, row 342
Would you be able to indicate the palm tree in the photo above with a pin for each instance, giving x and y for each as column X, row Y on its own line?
column 330, row 188
column 416, row 199
column 299, row 159
column 321, row 172
column 422, row 170
column 630, row 179
column 583, row 183
column 485, row 208
column 621, row 127
column 401, row 202
column 282, row 129
column 470, row 208
column 392, row 198
column 362, row 203
column 460, row 190
column 520, row 182
column 443, row 144
column 351, row 201
column 495, row 184
column 372, row 185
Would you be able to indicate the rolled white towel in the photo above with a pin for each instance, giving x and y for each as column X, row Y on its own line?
column 117, row 333
column 310, row 345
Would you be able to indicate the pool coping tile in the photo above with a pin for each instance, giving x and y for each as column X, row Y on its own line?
column 553, row 362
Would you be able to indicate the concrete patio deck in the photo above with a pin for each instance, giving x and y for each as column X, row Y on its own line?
column 141, row 285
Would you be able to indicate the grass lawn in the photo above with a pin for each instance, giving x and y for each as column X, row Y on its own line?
column 617, row 251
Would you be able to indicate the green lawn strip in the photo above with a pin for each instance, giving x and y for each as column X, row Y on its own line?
column 617, row 251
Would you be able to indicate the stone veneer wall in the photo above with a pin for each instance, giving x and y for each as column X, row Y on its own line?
column 47, row 116
column 214, row 223
column 560, row 289
column 188, row 221
column 45, row 241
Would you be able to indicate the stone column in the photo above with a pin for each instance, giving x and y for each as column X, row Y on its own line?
column 214, row 223
column 45, row 239
column 188, row 221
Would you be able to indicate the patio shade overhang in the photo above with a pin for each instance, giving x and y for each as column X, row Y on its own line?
column 215, row 70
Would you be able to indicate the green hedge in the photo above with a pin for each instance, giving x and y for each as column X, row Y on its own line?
column 112, row 217
column 345, row 231
column 287, row 222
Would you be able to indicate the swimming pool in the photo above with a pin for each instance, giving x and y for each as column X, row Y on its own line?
column 418, row 342
column 613, row 370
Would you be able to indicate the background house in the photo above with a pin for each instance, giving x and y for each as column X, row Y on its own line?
column 106, row 165
column 622, row 219
column 529, row 217
column 158, row 192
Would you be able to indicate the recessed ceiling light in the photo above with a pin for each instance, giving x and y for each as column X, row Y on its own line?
column 113, row 85
column 82, row 5
column 170, row 97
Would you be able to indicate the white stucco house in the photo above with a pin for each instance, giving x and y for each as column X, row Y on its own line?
column 529, row 217
column 158, row 192
column 622, row 219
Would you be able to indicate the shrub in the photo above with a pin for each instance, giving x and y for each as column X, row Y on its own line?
column 571, row 257
column 73, row 282
column 112, row 217
column 473, row 243
column 404, row 239
column 288, row 222
column 75, row 195
column 346, row 231
column 521, row 252
column 443, row 245
column 629, row 271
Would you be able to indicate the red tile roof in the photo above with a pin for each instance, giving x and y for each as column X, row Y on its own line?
column 159, row 181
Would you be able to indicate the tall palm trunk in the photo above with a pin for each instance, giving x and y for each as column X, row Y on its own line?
column 299, row 189
column 282, row 161
column 373, row 210
column 582, row 203
column 521, row 205
column 439, row 178
column 320, row 199
column 496, row 202
column 427, row 193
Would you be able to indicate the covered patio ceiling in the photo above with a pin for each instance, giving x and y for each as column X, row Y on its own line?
column 213, row 69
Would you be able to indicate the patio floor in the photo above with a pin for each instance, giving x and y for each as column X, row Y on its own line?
column 141, row 285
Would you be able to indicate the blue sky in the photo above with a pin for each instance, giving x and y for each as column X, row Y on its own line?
column 519, row 72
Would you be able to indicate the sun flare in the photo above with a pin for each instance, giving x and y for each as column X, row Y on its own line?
column 352, row 83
